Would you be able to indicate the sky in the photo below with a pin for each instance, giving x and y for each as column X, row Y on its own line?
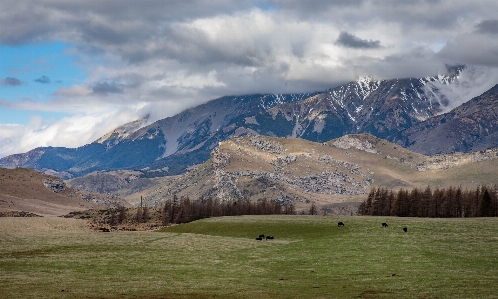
column 71, row 71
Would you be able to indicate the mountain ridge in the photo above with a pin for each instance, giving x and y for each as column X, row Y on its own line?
column 382, row 108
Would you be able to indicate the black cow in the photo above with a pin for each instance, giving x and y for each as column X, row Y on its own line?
column 259, row 238
column 269, row 237
column 405, row 229
column 340, row 224
column 384, row 224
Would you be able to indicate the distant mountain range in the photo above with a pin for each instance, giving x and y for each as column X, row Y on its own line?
column 405, row 111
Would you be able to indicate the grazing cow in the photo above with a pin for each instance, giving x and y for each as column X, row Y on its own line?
column 384, row 224
column 269, row 237
column 340, row 224
column 259, row 238
column 104, row 229
column 405, row 229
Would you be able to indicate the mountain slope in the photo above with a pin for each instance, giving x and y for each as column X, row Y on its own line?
column 27, row 190
column 472, row 126
column 380, row 108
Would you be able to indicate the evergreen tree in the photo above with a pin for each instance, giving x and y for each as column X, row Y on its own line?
column 486, row 205
column 313, row 210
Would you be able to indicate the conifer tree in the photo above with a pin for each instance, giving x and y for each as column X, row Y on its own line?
column 486, row 205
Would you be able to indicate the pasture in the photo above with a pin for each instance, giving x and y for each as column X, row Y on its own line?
column 310, row 257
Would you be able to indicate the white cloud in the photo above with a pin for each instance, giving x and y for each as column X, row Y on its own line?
column 472, row 82
column 70, row 132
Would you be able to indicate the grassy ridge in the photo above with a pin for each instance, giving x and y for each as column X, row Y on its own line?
column 218, row 258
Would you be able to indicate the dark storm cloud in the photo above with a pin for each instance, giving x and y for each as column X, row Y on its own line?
column 472, row 49
column 349, row 40
column 106, row 88
column 101, row 20
column 488, row 26
column 43, row 79
column 10, row 81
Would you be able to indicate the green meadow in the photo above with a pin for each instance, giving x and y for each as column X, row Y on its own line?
column 310, row 257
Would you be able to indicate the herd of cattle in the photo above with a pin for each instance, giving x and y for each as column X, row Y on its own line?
column 384, row 224
column 340, row 223
column 261, row 237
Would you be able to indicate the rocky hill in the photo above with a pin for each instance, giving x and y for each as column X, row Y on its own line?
column 27, row 192
column 335, row 175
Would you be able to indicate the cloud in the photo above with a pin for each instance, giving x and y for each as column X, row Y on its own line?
column 488, row 26
column 10, row 81
column 43, row 79
column 472, row 82
column 471, row 49
column 106, row 88
column 73, row 91
column 72, row 131
column 349, row 40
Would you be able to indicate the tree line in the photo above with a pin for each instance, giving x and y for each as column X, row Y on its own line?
column 183, row 210
column 444, row 203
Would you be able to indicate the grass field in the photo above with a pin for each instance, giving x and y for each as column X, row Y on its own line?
column 310, row 257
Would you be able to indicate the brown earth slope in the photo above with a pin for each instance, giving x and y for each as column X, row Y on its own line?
column 27, row 190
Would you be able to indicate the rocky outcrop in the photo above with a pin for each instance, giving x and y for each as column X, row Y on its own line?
column 450, row 160
column 224, row 182
column 55, row 185
column 347, row 142
column 263, row 144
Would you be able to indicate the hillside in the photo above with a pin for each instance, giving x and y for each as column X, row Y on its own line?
column 330, row 174
column 27, row 190
column 472, row 126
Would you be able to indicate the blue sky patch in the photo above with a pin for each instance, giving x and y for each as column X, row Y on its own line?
column 33, row 73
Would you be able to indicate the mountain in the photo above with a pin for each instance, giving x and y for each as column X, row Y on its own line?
column 385, row 109
column 381, row 108
column 335, row 175
column 167, row 146
column 472, row 126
